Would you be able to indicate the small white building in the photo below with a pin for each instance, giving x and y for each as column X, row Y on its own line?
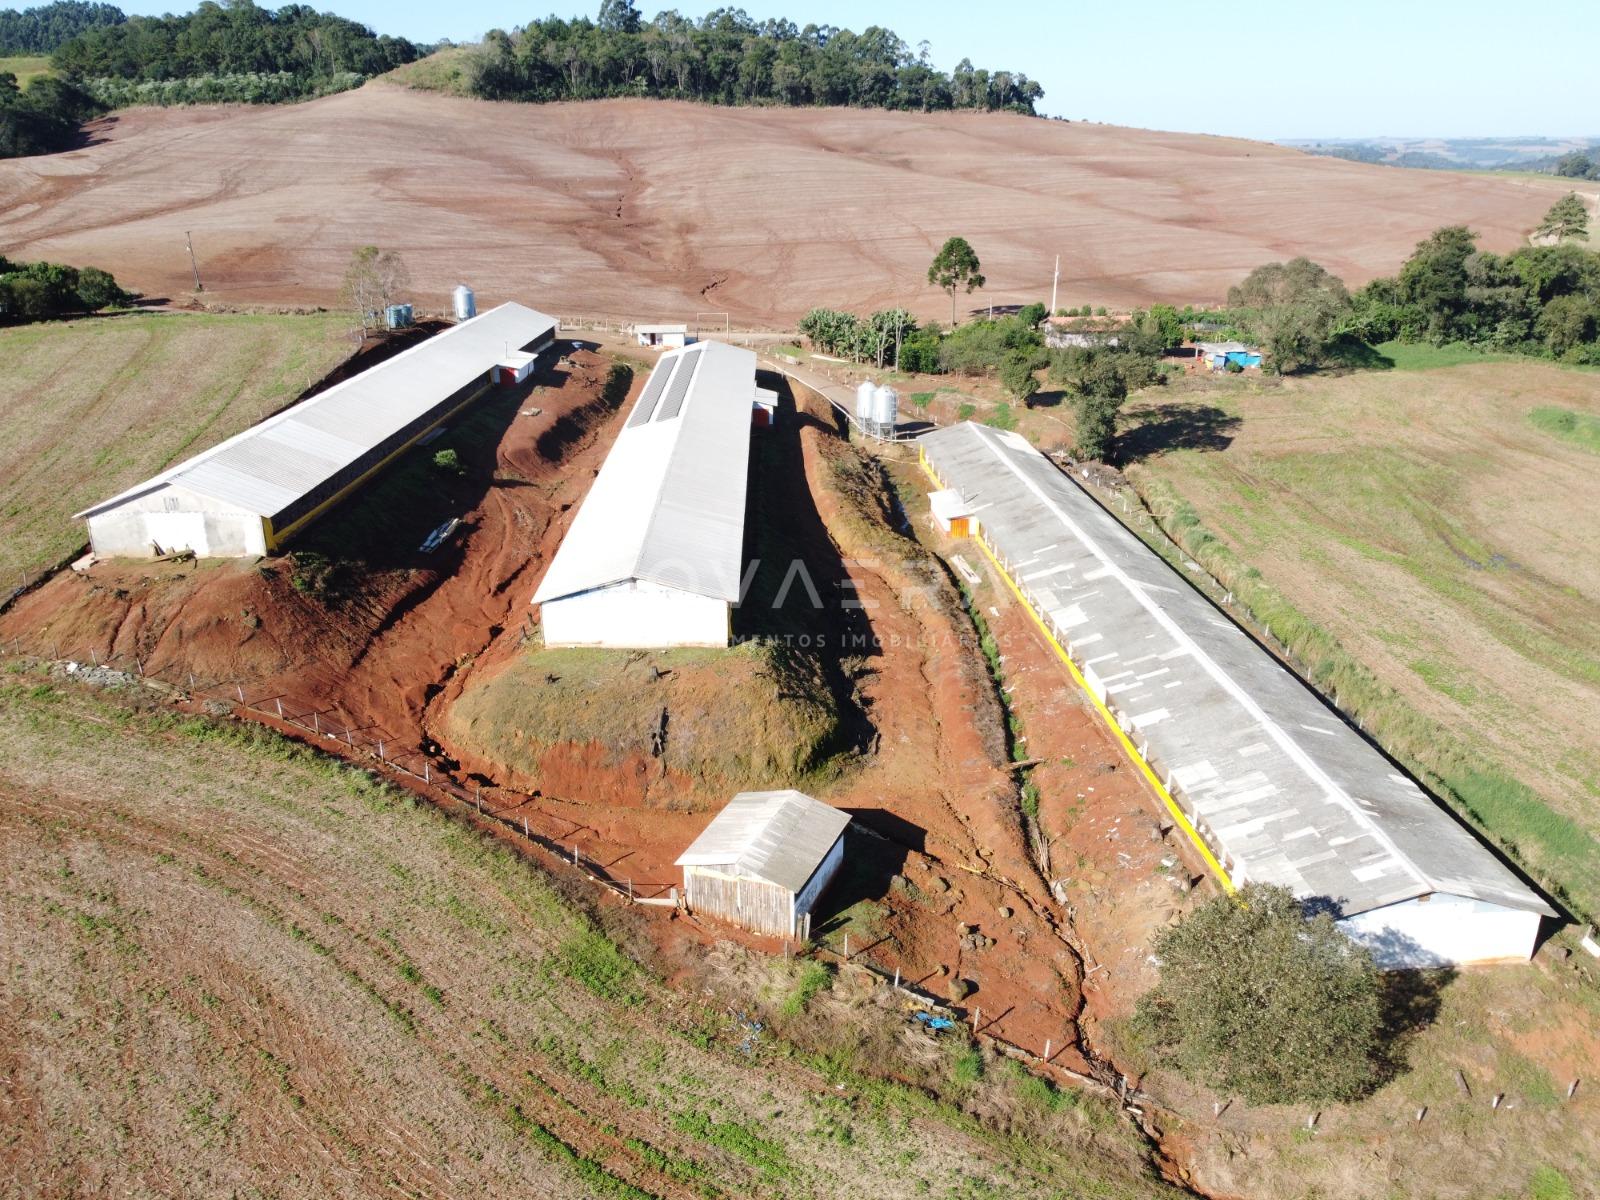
column 249, row 494
column 513, row 368
column 671, row 337
column 951, row 513
column 764, row 861
column 764, row 409
column 653, row 557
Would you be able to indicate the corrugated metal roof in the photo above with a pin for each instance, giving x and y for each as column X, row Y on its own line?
column 1286, row 790
column 271, row 465
column 780, row 837
column 668, row 504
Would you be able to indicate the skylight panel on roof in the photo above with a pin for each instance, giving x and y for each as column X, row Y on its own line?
column 679, row 390
column 652, row 393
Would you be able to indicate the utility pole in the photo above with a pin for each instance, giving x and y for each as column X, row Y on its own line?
column 1054, row 284
column 189, row 241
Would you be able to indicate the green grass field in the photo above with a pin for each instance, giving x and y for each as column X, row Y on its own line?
column 239, row 963
column 26, row 67
column 1580, row 429
column 1420, row 544
column 93, row 406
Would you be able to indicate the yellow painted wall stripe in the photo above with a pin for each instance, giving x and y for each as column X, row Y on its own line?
column 1126, row 742
column 277, row 537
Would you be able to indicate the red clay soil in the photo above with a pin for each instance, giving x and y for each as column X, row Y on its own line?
column 371, row 659
column 1125, row 871
column 949, row 872
column 641, row 207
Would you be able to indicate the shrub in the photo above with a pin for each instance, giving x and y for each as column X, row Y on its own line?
column 1257, row 1000
column 448, row 461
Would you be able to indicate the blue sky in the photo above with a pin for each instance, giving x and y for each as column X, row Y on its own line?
column 1284, row 69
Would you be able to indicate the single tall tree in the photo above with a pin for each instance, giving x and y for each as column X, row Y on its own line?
column 374, row 280
column 956, row 265
column 1568, row 218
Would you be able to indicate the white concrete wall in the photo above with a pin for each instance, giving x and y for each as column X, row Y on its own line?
column 176, row 519
column 635, row 614
column 1441, row 930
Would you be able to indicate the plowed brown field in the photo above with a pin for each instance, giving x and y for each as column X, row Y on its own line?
column 649, row 207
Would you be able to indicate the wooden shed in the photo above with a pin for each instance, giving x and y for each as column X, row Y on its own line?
column 764, row 861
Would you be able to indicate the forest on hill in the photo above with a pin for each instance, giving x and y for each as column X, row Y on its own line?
column 728, row 57
column 40, row 30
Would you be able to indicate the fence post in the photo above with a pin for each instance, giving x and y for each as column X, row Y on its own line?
column 316, row 722
column 1047, row 1045
column 847, row 947
column 279, row 702
column 350, row 738
column 381, row 757
column 240, row 689
column 525, row 827
column 427, row 772
column 93, row 657
column 977, row 1018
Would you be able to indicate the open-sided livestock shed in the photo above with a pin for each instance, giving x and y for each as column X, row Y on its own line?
column 653, row 557
column 251, row 493
column 764, row 861
column 1280, row 788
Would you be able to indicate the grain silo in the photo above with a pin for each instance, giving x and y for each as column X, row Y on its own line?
column 466, row 304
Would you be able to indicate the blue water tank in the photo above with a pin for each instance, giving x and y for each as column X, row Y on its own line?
column 398, row 316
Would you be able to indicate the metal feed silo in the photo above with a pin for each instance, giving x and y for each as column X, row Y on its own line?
column 465, row 302
column 864, row 402
column 886, row 410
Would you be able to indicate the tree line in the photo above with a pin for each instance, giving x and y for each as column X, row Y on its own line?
column 238, row 38
column 43, row 117
column 1540, row 300
column 38, row 290
column 40, row 30
column 727, row 57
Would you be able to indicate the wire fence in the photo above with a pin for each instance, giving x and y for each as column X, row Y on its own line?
column 329, row 729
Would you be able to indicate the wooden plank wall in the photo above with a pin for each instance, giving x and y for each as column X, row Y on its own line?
column 761, row 907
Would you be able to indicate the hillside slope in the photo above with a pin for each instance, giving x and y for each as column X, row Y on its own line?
column 658, row 208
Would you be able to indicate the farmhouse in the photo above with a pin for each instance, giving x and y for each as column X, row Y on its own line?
column 1275, row 785
column 764, row 861
column 653, row 557
column 251, row 493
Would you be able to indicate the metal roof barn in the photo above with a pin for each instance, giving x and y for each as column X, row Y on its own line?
column 764, row 860
column 279, row 474
column 1282, row 789
column 653, row 556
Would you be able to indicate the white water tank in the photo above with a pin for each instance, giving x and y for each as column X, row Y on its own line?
column 886, row 409
column 866, row 401
column 465, row 302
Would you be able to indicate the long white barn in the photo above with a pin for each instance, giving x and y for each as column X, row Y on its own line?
column 249, row 494
column 653, row 557
column 1282, row 789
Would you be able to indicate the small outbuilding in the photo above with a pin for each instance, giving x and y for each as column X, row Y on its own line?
column 764, row 409
column 672, row 337
column 1217, row 355
column 513, row 368
column 764, row 861
column 951, row 513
